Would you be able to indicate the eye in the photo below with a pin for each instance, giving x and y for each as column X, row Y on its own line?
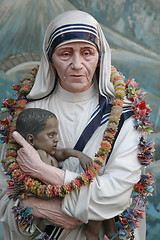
column 66, row 54
column 51, row 135
column 86, row 53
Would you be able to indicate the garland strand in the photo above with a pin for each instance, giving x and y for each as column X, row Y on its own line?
column 21, row 184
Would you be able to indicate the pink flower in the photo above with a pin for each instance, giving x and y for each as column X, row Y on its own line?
column 16, row 87
column 22, row 101
column 77, row 182
column 90, row 173
column 69, row 188
column 142, row 113
column 133, row 83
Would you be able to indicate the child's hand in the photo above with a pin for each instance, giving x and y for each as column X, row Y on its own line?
column 85, row 161
column 63, row 154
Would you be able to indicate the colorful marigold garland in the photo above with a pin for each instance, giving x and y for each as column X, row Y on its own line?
column 22, row 184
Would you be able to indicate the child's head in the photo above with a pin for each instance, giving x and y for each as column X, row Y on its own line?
column 40, row 128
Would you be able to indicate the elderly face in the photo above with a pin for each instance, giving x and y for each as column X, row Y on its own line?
column 75, row 64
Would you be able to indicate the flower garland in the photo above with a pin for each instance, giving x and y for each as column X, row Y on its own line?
column 22, row 184
column 129, row 219
column 36, row 187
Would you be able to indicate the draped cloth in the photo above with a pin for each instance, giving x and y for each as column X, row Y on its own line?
column 45, row 79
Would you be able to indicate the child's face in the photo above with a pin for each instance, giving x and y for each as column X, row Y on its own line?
column 47, row 139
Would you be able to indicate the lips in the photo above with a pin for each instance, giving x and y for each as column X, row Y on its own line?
column 76, row 76
column 55, row 146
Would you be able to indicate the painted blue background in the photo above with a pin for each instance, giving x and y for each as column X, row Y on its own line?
column 133, row 31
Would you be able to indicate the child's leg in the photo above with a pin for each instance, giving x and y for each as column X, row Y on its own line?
column 110, row 229
column 92, row 230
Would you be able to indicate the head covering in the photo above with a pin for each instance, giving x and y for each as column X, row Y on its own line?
column 69, row 33
column 67, row 27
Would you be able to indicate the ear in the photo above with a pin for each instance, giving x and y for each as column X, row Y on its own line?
column 30, row 139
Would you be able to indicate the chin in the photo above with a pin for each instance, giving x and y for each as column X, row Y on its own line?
column 52, row 153
column 78, row 89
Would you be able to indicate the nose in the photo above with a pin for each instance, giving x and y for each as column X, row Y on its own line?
column 55, row 140
column 76, row 61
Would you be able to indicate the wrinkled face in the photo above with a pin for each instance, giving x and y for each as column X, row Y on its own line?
column 47, row 139
column 75, row 64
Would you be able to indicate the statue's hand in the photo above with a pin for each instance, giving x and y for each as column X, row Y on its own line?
column 30, row 162
column 27, row 157
column 51, row 210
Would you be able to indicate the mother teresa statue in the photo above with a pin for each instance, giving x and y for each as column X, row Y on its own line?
column 73, row 82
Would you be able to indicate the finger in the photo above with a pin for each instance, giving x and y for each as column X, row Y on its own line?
column 20, row 140
column 89, row 164
column 85, row 167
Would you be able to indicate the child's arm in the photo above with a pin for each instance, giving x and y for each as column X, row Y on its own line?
column 64, row 153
